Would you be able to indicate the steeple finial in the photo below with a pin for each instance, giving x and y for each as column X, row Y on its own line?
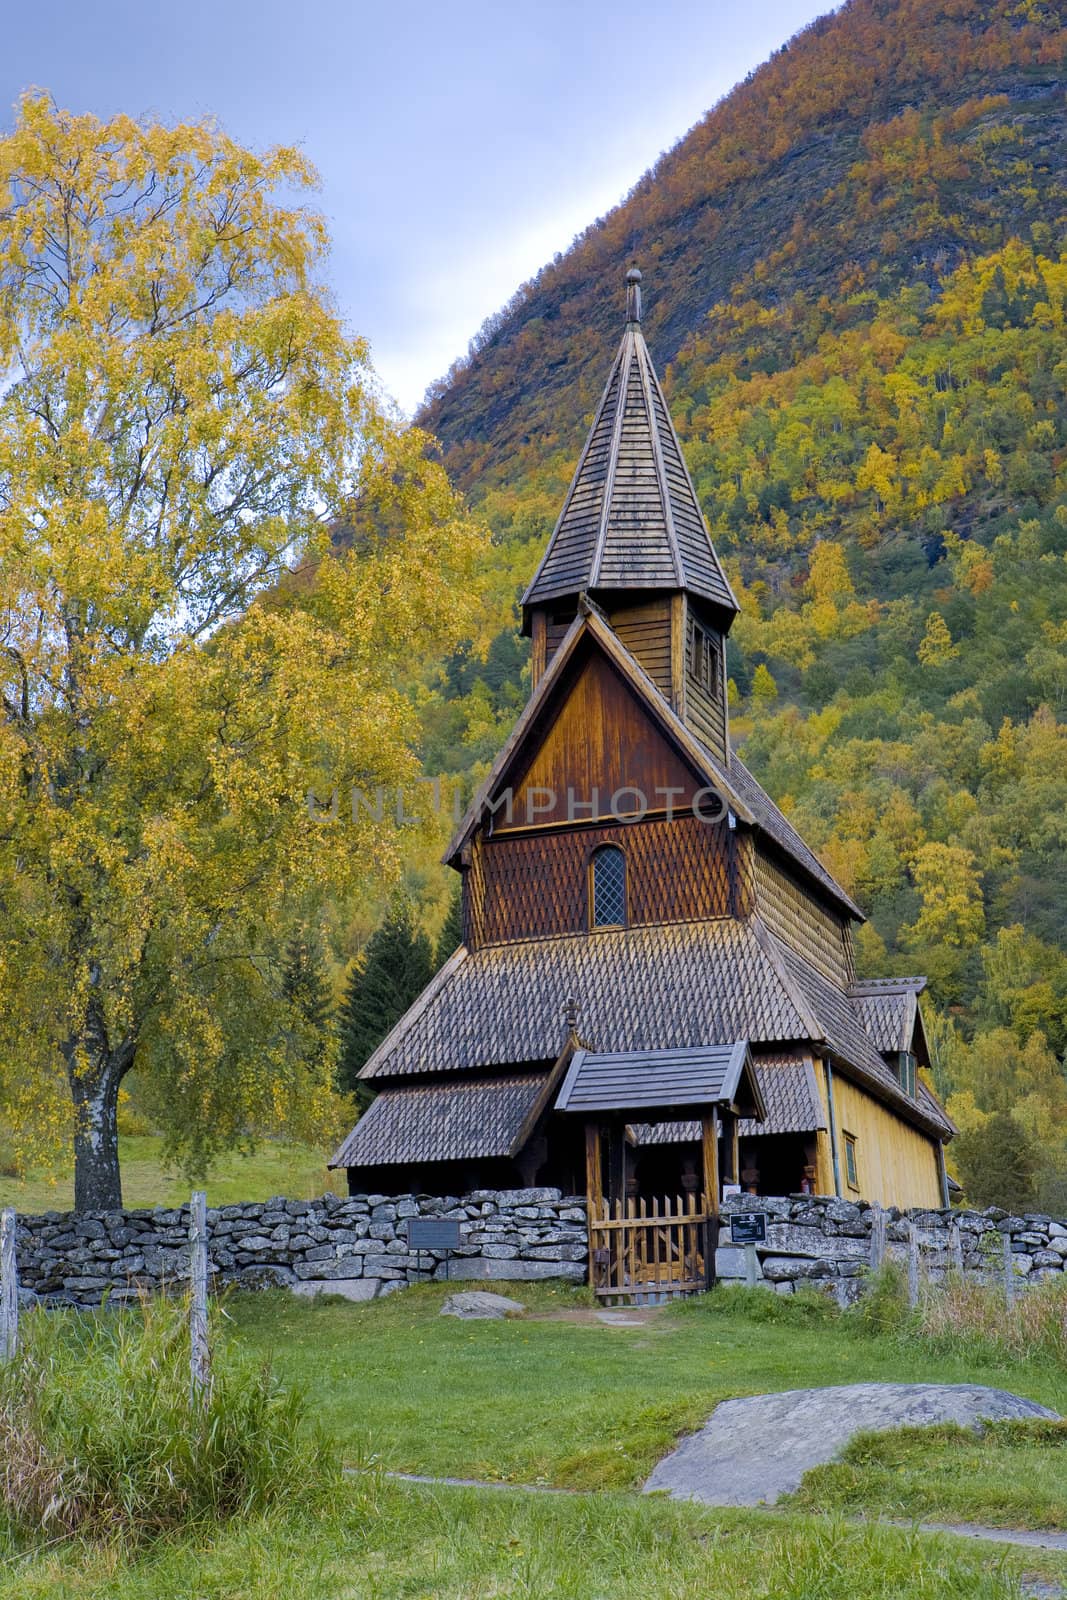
column 633, row 295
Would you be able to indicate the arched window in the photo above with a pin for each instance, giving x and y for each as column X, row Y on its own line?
column 608, row 888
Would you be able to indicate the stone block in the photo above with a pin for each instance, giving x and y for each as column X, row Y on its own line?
column 308, row 1271
column 485, row 1267
column 354, row 1289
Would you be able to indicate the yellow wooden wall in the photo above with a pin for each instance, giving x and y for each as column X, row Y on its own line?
column 897, row 1163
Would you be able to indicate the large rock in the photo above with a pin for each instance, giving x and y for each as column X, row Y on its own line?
column 752, row 1451
column 480, row 1304
column 517, row 1271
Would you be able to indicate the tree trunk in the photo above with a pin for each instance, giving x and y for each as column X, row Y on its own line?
column 97, row 1180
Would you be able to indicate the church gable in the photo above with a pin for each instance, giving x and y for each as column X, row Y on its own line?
column 599, row 755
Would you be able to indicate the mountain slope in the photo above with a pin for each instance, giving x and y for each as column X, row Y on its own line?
column 856, row 276
column 765, row 192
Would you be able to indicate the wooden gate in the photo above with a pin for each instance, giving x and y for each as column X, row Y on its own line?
column 644, row 1252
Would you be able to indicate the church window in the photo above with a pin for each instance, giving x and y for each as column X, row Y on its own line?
column 608, row 888
column 851, row 1165
column 906, row 1072
column 703, row 658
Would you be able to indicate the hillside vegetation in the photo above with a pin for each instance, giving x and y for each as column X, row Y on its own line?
column 856, row 275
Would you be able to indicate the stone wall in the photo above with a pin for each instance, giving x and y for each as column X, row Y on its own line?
column 358, row 1247
column 826, row 1241
column 355, row 1247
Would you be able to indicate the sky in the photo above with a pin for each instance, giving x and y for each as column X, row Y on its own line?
column 460, row 145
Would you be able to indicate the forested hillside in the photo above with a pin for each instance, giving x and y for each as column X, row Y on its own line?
column 856, row 287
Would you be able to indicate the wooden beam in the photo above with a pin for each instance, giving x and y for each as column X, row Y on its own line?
column 729, row 1147
column 594, row 1181
column 539, row 654
column 678, row 625
column 710, row 1132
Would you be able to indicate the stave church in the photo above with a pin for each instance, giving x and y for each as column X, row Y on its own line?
column 656, row 993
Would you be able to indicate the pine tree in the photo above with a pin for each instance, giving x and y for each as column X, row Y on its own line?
column 451, row 936
column 306, row 989
column 998, row 1163
column 395, row 967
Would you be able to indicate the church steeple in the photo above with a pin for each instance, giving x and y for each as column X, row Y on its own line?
column 631, row 536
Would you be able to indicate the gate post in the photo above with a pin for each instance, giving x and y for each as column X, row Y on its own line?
column 710, row 1132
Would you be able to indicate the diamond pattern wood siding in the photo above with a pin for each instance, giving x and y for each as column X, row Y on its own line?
column 795, row 915
column 527, row 887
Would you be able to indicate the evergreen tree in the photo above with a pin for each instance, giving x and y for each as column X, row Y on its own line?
column 998, row 1163
column 306, row 990
column 451, row 936
column 393, row 970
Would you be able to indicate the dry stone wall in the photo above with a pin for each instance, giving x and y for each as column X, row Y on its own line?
column 358, row 1247
column 355, row 1247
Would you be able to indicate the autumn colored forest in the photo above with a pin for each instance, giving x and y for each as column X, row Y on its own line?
column 856, row 289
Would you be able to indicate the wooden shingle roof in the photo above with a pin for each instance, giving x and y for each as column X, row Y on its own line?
column 888, row 1008
column 461, row 1120
column 631, row 518
column 661, row 987
column 790, row 1097
column 624, row 1080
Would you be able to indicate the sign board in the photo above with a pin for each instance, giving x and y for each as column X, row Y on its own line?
column 433, row 1233
column 748, row 1227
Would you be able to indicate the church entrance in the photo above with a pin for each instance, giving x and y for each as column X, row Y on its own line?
column 643, row 1252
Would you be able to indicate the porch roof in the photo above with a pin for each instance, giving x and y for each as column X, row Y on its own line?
column 648, row 1080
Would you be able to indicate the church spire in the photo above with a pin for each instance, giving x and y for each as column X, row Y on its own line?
column 631, row 520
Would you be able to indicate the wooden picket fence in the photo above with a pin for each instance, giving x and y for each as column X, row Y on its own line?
column 643, row 1252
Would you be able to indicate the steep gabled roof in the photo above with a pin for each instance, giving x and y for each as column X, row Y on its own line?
column 889, row 1008
column 668, row 986
column 739, row 789
column 631, row 519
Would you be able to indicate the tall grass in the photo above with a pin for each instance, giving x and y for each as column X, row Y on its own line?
column 959, row 1314
column 98, row 1435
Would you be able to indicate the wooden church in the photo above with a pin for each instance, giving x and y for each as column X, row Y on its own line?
column 655, row 996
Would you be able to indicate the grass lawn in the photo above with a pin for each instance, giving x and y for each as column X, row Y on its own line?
column 565, row 1400
column 295, row 1170
column 579, row 1404
column 1014, row 1475
column 390, row 1542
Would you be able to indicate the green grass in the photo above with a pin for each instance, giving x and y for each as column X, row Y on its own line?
column 579, row 1406
column 389, row 1542
column 1014, row 1475
column 298, row 1171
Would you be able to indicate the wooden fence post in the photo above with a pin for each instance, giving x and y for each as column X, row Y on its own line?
column 878, row 1229
column 9, row 1287
column 199, row 1350
column 955, row 1245
column 1009, row 1271
column 913, row 1266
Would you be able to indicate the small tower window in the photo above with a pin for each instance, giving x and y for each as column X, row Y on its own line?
column 608, row 888
column 703, row 658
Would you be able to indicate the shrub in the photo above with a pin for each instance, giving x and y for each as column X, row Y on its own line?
column 963, row 1314
column 98, row 1434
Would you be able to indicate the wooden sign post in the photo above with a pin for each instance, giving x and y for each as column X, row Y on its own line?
column 199, row 1348
column 9, row 1287
column 1009, row 1271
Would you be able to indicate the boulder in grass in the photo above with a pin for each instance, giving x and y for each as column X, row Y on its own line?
column 479, row 1304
